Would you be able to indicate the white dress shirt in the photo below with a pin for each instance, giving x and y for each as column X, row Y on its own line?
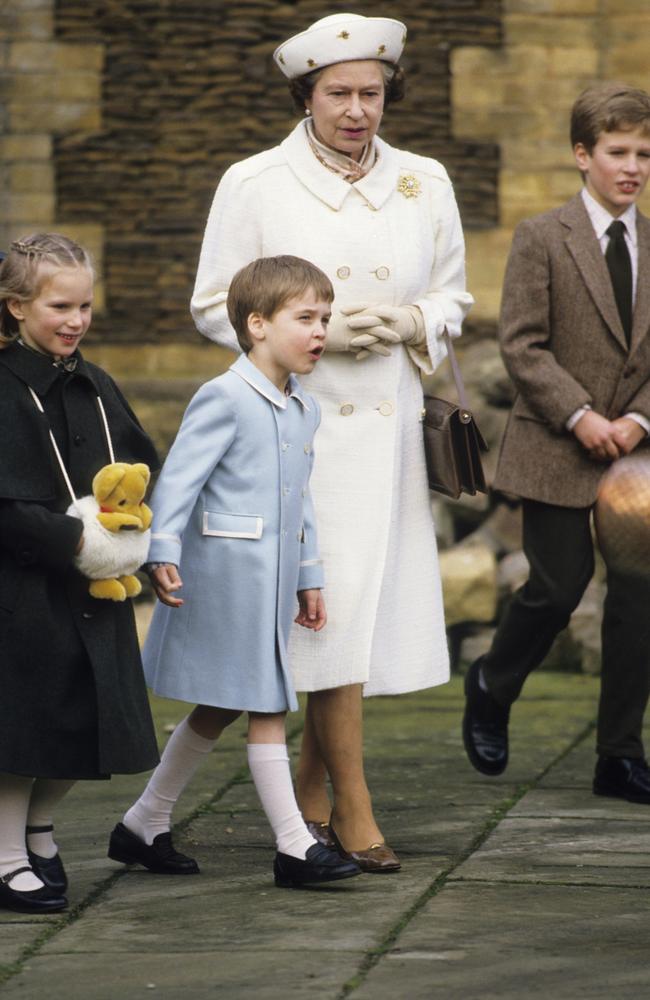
column 601, row 220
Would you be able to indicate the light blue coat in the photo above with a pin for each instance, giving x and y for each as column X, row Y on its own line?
column 232, row 509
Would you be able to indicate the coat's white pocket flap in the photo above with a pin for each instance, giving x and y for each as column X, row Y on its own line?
column 222, row 525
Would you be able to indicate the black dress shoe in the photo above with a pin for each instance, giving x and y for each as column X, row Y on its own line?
column 485, row 726
column 50, row 871
column 31, row 901
column 160, row 857
column 623, row 778
column 320, row 865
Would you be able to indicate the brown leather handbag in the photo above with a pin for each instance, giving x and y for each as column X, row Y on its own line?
column 452, row 441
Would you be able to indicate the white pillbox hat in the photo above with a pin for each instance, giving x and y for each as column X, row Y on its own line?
column 341, row 38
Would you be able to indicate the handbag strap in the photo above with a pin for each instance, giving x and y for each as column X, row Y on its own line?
column 458, row 378
column 64, row 471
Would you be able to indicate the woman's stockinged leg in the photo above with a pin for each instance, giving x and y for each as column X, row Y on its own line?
column 268, row 761
column 311, row 776
column 337, row 719
column 188, row 746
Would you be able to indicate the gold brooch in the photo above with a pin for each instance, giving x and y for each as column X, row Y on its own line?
column 381, row 50
column 344, row 35
column 310, row 62
column 409, row 186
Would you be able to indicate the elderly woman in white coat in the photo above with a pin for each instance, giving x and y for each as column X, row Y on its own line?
column 383, row 224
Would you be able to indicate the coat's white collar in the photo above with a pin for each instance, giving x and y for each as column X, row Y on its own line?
column 376, row 187
column 251, row 374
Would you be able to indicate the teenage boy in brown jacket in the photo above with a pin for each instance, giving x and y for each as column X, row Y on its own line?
column 575, row 338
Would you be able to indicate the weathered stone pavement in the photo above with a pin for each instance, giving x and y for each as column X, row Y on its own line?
column 522, row 886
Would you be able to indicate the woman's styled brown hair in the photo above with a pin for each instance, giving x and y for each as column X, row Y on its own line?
column 29, row 262
column 266, row 285
column 608, row 107
column 302, row 87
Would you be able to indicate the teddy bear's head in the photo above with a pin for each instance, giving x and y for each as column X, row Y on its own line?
column 119, row 489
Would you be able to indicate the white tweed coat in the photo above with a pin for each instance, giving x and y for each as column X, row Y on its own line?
column 394, row 237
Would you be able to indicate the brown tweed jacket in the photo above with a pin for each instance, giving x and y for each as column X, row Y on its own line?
column 563, row 345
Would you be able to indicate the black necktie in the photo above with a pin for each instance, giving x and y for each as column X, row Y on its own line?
column 620, row 270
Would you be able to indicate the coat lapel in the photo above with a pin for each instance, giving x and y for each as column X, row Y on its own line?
column 583, row 246
column 641, row 319
column 376, row 187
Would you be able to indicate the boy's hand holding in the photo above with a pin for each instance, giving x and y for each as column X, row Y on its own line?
column 312, row 613
column 165, row 580
column 628, row 434
column 599, row 436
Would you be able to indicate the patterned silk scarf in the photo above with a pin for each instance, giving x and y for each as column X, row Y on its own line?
column 339, row 163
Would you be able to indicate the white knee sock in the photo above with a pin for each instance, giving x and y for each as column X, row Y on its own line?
column 14, row 803
column 151, row 814
column 46, row 795
column 269, row 766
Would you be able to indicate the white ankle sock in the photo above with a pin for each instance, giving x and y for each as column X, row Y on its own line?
column 151, row 814
column 15, row 792
column 46, row 795
column 269, row 767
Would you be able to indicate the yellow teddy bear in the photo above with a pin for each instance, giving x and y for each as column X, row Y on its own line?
column 116, row 533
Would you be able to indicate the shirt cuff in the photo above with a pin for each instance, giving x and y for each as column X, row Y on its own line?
column 576, row 415
column 640, row 419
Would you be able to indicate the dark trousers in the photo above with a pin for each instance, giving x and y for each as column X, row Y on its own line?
column 559, row 547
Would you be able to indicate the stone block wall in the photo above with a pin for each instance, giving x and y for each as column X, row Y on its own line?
column 190, row 87
column 519, row 96
column 118, row 119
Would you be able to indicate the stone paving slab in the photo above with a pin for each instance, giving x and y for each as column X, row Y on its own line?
column 264, row 975
column 230, row 933
column 509, row 942
column 564, row 850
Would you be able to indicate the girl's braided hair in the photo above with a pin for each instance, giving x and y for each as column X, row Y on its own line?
column 28, row 263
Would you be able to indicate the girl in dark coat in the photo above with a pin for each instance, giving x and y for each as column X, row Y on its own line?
column 73, row 696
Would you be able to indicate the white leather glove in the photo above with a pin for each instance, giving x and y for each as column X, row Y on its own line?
column 342, row 336
column 387, row 323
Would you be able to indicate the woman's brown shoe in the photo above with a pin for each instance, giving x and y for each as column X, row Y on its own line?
column 377, row 859
column 321, row 832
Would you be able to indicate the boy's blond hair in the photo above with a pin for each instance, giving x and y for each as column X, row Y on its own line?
column 608, row 107
column 29, row 262
column 266, row 285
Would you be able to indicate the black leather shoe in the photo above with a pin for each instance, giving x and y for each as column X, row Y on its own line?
column 159, row 857
column 623, row 778
column 485, row 726
column 32, row 901
column 320, row 865
column 50, row 871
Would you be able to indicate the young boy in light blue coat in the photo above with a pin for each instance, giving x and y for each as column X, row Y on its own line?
column 234, row 532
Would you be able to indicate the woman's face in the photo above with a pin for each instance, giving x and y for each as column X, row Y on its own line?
column 347, row 104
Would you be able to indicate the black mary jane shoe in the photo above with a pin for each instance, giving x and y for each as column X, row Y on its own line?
column 623, row 778
column 485, row 726
column 50, row 870
column 320, row 865
column 160, row 857
column 42, row 900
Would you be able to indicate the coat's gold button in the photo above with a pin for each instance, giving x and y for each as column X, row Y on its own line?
column 343, row 273
column 382, row 273
column 307, row 449
column 385, row 408
column 346, row 409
